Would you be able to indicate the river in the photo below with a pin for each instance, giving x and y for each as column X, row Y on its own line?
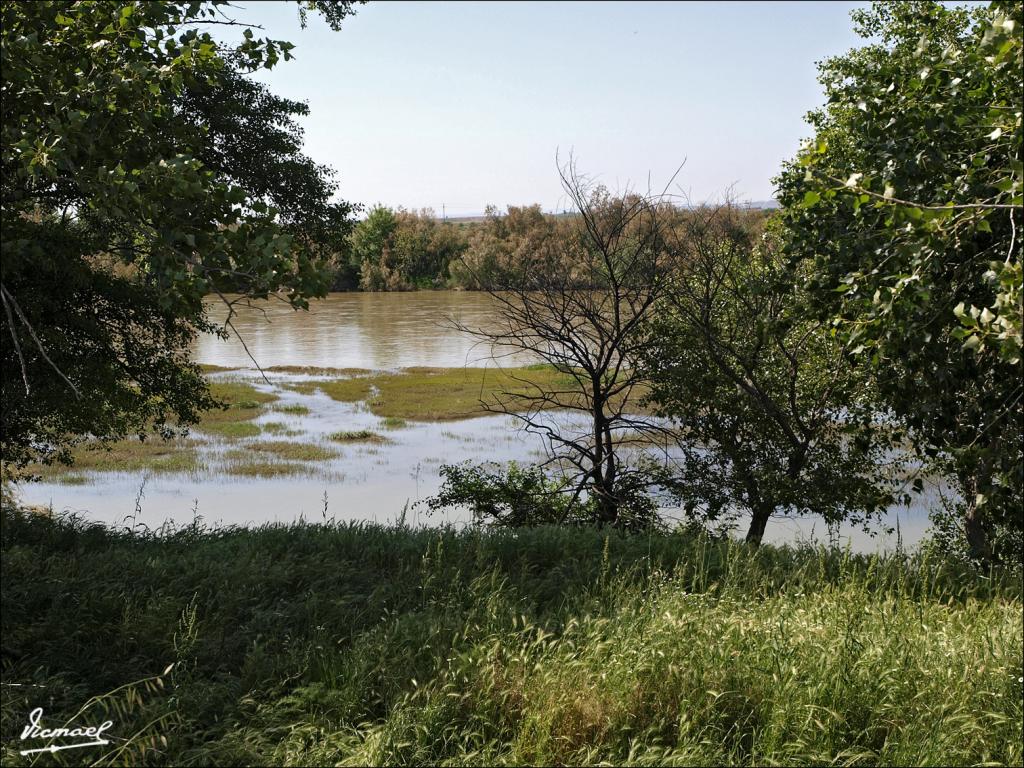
column 378, row 331
column 358, row 330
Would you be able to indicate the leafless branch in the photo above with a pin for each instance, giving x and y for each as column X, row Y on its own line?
column 14, row 338
column 228, row 323
column 8, row 297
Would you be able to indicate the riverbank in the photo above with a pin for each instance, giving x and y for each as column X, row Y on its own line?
column 360, row 644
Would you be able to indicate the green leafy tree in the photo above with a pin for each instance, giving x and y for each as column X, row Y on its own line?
column 512, row 496
column 405, row 250
column 504, row 242
column 249, row 137
column 771, row 419
column 905, row 208
column 142, row 171
column 425, row 247
column 516, row 496
column 370, row 240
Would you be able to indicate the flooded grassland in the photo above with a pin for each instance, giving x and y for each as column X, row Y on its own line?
column 359, row 403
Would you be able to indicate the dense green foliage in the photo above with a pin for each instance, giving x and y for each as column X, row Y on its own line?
column 905, row 210
column 400, row 251
column 142, row 170
column 517, row 496
column 503, row 241
column 511, row 497
column 370, row 240
column 355, row 644
column 772, row 418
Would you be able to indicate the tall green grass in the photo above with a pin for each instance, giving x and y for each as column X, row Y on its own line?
column 360, row 644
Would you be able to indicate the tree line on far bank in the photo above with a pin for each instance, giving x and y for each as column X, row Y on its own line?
column 401, row 250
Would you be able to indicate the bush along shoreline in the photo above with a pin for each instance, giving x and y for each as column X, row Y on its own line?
column 331, row 643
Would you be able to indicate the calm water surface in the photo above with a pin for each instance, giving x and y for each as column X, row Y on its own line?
column 358, row 330
column 364, row 482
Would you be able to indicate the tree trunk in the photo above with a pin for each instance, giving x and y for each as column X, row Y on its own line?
column 975, row 531
column 758, row 522
column 604, row 477
column 977, row 536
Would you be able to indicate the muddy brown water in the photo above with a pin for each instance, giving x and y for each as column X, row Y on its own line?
column 359, row 330
column 366, row 481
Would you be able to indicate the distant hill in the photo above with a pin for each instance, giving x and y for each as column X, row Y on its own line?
column 474, row 219
column 464, row 219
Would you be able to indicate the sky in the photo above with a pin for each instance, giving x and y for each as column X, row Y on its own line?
column 457, row 105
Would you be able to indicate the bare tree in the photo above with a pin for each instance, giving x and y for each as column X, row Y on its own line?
column 579, row 301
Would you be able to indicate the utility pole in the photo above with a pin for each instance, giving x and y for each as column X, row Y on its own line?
column 444, row 213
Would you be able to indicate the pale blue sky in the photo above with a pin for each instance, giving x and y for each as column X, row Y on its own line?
column 465, row 103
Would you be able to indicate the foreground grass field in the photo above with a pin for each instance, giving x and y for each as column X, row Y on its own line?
column 356, row 644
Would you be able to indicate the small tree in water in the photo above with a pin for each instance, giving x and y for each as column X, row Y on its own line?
column 772, row 418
